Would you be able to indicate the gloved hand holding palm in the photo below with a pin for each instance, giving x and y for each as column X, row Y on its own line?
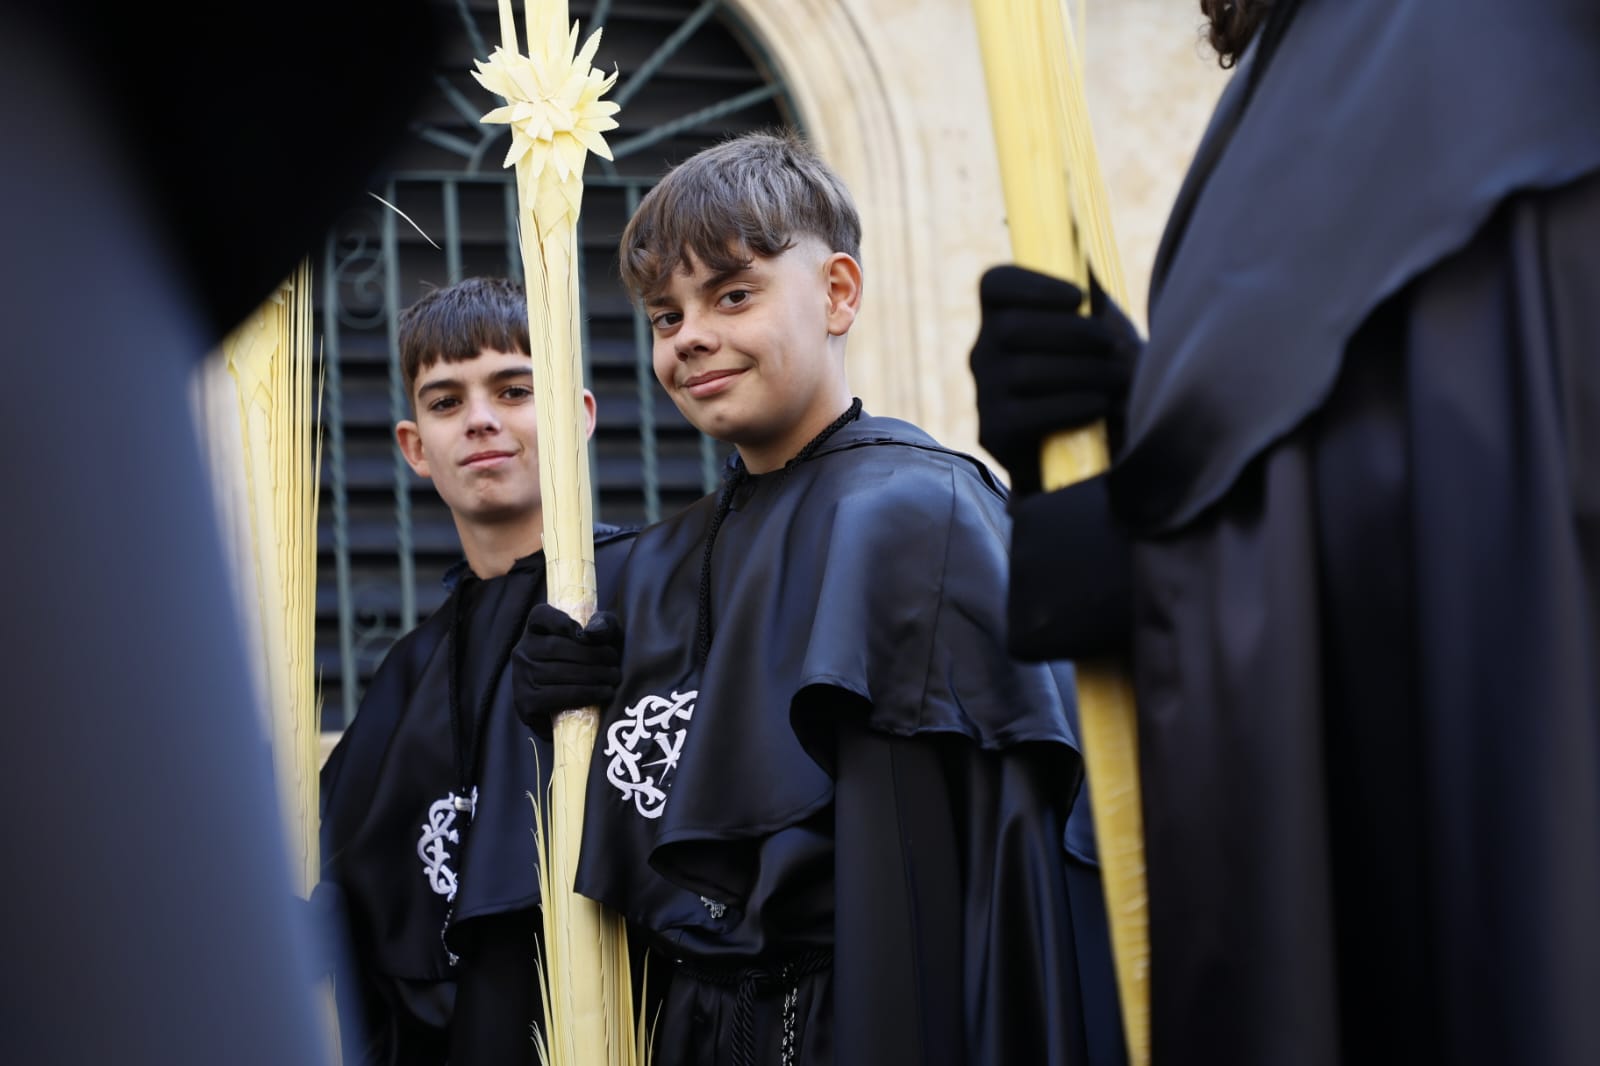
column 1041, row 367
column 559, row 665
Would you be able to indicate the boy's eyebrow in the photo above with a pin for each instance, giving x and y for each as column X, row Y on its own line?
column 521, row 370
column 503, row 374
column 721, row 277
column 437, row 385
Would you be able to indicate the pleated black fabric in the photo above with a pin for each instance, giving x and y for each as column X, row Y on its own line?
column 1369, row 691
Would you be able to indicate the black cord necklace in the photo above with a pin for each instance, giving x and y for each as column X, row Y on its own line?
column 735, row 478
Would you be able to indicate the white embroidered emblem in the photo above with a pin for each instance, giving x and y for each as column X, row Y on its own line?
column 439, row 829
column 653, row 724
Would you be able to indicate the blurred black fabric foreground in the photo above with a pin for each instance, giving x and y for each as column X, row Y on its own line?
column 163, row 174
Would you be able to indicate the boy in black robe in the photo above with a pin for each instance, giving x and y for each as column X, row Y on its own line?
column 1359, row 500
column 837, row 806
column 427, row 823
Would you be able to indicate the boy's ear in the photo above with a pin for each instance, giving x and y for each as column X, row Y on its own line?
column 409, row 437
column 843, row 274
column 588, row 413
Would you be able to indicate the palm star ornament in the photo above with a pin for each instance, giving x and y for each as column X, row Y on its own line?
column 553, row 107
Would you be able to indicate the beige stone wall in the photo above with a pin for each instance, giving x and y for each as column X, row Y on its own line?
column 1153, row 85
column 892, row 91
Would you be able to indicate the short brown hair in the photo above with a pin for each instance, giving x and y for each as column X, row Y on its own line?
column 456, row 323
column 752, row 195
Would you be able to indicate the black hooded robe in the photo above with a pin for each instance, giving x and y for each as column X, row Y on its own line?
column 421, row 882
column 1362, row 471
column 845, row 828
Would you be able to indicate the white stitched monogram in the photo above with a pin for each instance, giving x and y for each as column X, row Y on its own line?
column 651, row 726
column 436, row 831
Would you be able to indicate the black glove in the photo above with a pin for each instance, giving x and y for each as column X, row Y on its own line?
column 558, row 665
column 1041, row 367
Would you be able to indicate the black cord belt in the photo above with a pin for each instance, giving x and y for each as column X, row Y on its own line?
column 750, row 983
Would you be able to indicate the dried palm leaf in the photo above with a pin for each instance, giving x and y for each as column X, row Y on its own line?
column 269, row 357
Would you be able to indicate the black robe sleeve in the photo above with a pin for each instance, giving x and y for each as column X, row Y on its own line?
column 1071, row 584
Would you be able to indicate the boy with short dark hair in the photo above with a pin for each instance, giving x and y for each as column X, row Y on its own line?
column 427, row 829
column 833, row 801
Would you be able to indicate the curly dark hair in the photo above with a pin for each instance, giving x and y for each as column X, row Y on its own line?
column 1233, row 24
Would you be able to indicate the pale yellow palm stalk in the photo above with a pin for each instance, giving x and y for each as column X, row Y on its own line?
column 269, row 358
column 553, row 106
column 1059, row 218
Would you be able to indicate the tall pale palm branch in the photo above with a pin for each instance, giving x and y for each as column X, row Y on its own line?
column 1059, row 218
column 552, row 104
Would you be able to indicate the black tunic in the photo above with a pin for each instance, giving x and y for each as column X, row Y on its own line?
column 845, row 827
column 1362, row 473
column 442, row 903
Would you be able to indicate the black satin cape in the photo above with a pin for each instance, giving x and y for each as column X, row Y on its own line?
column 1367, row 613
column 858, row 798
column 403, row 1001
